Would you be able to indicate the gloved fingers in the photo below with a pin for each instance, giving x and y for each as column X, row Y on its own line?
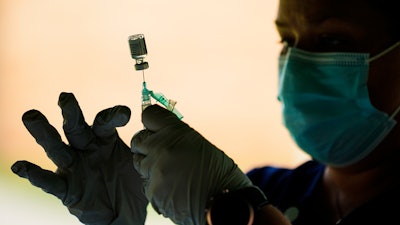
column 137, row 142
column 156, row 117
column 77, row 131
column 107, row 120
column 48, row 137
column 139, row 162
column 44, row 179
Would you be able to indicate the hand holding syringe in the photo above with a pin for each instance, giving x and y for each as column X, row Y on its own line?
column 138, row 48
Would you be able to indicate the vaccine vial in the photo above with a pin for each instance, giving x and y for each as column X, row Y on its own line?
column 137, row 45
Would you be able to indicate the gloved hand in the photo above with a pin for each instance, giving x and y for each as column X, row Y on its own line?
column 183, row 169
column 95, row 177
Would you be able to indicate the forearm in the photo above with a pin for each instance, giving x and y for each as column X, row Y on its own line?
column 269, row 215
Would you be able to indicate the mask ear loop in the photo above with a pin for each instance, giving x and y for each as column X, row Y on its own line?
column 395, row 113
column 381, row 54
column 384, row 52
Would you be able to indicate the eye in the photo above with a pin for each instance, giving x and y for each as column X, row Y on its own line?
column 330, row 40
column 331, row 43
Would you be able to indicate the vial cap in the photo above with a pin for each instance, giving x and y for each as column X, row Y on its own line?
column 142, row 66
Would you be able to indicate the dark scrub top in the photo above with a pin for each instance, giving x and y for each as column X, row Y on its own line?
column 294, row 192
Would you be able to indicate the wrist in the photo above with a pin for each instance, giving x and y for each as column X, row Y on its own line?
column 270, row 215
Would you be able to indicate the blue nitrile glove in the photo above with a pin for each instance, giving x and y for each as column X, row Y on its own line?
column 183, row 169
column 95, row 177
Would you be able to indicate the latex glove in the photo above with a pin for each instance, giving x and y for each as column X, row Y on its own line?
column 95, row 177
column 183, row 169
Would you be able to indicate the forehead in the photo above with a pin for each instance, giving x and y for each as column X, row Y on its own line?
column 356, row 24
column 357, row 19
column 314, row 11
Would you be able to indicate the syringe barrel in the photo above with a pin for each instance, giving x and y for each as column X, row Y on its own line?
column 146, row 101
column 169, row 104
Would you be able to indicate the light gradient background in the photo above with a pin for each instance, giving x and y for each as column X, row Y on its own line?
column 218, row 59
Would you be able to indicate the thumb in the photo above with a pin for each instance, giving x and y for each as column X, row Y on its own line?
column 156, row 117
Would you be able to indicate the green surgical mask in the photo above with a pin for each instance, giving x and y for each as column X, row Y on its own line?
column 326, row 106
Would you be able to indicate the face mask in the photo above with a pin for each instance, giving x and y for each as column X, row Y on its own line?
column 326, row 106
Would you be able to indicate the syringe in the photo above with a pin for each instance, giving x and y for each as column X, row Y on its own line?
column 138, row 49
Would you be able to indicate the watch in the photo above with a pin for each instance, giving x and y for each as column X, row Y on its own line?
column 235, row 207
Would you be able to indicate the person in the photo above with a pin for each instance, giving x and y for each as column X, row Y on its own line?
column 339, row 82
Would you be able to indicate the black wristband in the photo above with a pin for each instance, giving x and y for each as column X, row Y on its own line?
column 235, row 207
